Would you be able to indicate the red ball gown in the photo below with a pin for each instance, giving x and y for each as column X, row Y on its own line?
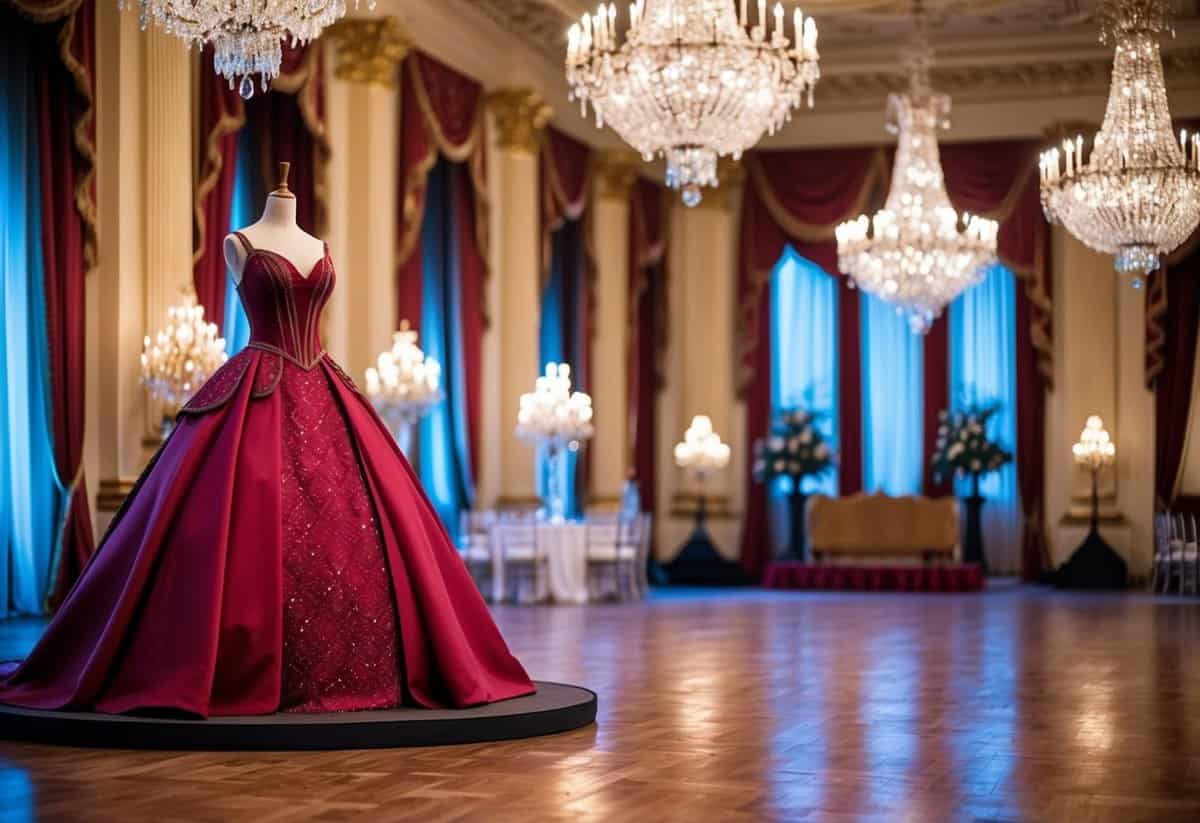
column 278, row 553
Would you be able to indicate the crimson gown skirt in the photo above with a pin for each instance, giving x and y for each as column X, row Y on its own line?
column 277, row 554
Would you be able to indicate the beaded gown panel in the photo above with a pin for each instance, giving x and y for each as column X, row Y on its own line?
column 278, row 553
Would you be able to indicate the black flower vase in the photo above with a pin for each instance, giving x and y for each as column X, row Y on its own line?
column 973, row 540
column 797, row 535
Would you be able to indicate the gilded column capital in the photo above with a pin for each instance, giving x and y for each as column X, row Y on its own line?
column 369, row 49
column 616, row 171
column 730, row 177
column 520, row 115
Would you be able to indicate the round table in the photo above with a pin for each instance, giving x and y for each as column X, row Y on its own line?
column 565, row 548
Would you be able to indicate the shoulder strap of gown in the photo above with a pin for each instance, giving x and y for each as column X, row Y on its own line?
column 246, row 244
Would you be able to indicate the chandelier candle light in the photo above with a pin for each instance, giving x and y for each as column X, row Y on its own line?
column 178, row 359
column 693, row 80
column 917, row 252
column 247, row 37
column 557, row 420
column 404, row 385
column 1135, row 193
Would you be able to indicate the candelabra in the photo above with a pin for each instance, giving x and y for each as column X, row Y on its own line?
column 701, row 454
column 1094, row 565
column 1094, row 452
column 404, row 385
column 557, row 421
column 180, row 357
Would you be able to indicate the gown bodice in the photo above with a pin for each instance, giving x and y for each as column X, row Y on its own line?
column 283, row 306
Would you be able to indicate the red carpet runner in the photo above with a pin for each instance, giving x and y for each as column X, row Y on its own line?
column 792, row 575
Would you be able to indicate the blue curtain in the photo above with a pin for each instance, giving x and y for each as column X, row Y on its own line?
column 444, row 459
column 32, row 500
column 241, row 214
column 983, row 372
column 804, row 366
column 892, row 399
column 559, row 328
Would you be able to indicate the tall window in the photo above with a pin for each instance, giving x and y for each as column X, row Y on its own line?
column 892, row 400
column 804, row 370
column 983, row 372
column 31, row 497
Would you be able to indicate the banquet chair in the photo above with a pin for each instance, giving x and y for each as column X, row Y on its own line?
column 522, row 558
column 475, row 544
column 1160, row 571
column 642, row 563
column 613, row 549
column 1189, row 556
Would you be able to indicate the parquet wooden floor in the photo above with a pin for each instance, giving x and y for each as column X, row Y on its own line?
column 1016, row 704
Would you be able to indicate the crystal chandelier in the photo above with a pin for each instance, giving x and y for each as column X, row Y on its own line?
column 693, row 80
column 701, row 451
column 180, row 357
column 404, row 384
column 1137, row 193
column 247, row 35
column 1095, row 449
column 917, row 252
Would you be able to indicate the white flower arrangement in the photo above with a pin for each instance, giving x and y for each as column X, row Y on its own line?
column 795, row 448
column 963, row 448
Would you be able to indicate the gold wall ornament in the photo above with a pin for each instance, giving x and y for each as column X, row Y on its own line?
column 520, row 114
column 616, row 171
column 369, row 49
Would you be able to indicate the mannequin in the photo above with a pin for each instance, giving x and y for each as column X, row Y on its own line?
column 277, row 231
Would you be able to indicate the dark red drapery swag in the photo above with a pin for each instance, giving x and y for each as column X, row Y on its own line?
column 1178, row 322
column 566, row 188
column 937, row 397
column 288, row 124
column 647, row 331
column 797, row 198
column 64, row 37
column 441, row 113
column 998, row 179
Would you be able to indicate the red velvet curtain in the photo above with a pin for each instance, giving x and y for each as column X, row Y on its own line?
column 1179, row 321
column 64, row 37
column 937, row 398
column 287, row 124
column 222, row 115
column 797, row 198
column 998, row 179
column 441, row 113
column 647, row 330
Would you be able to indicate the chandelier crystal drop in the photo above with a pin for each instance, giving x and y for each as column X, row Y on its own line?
column 247, row 35
column 917, row 253
column 693, row 80
column 1136, row 193
column 179, row 358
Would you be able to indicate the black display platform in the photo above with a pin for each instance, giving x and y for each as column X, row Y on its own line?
column 556, row 707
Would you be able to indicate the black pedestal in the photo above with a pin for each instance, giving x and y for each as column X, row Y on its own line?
column 1094, row 565
column 700, row 564
column 973, row 539
column 797, row 533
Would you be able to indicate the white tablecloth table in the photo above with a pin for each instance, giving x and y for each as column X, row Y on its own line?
column 565, row 547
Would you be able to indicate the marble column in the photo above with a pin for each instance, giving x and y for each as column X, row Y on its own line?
column 364, row 123
column 365, row 55
column 144, row 191
column 703, row 309
column 510, row 345
column 615, row 173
